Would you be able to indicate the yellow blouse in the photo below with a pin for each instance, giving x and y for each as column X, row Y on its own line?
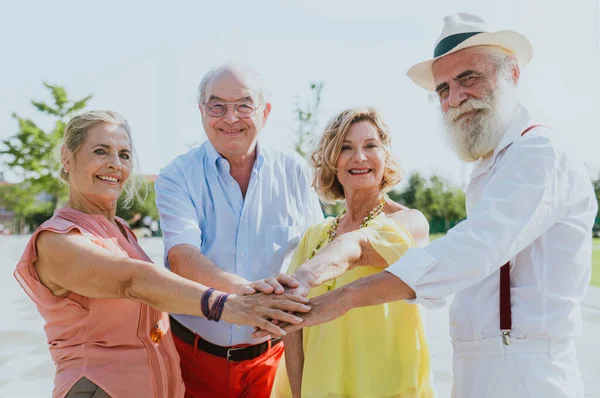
column 370, row 352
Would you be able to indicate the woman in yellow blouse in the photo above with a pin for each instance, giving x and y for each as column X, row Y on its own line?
column 378, row 351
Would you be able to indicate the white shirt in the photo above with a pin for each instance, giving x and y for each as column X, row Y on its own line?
column 532, row 203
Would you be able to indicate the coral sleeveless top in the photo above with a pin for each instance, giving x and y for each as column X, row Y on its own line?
column 115, row 343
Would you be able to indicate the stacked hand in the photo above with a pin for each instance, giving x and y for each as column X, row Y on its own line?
column 280, row 285
column 266, row 304
column 264, row 310
column 273, row 285
column 324, row 308
column 277, row 306
column 301, row 288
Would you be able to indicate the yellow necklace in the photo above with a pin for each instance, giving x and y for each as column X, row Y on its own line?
column 334, row 224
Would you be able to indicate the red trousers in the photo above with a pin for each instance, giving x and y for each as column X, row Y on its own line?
column 209, row 376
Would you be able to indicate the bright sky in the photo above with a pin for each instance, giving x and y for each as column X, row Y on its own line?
column 145, row 60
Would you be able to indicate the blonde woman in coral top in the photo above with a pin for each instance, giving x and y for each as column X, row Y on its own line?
column 100, row 295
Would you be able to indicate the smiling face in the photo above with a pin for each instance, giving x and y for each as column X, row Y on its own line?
column 101, row 165
column 230, row 134
column 361, row 163
column 477, row 98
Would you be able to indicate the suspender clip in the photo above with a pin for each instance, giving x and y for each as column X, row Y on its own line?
column 506, row 337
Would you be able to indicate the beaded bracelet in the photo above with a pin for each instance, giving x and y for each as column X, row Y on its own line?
column 221, row 307
column 213, row 309
column 217, row 308
column 204, row 301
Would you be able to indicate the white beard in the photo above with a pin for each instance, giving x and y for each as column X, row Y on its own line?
column 475, row 136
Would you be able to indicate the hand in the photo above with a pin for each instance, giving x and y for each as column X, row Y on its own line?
column 277, row 285
column 324, row 308
column 304, row 279
column 303, row 286
column 257, row 309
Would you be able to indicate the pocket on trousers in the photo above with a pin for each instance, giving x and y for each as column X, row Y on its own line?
column 548, row 377
column 489, row 377
column 505, row 379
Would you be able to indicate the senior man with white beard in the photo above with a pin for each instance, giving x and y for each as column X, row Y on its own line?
column 521, row 262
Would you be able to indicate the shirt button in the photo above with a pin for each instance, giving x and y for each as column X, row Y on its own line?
column 241, row 254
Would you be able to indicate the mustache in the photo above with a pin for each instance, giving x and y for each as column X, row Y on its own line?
column 473, row 104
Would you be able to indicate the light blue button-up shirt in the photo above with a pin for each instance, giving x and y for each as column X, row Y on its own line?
column 254, row 237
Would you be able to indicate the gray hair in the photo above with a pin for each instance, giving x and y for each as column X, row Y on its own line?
column 228, row 66
column 75, row 135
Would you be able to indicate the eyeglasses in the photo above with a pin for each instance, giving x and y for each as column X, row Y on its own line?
column 241, row 110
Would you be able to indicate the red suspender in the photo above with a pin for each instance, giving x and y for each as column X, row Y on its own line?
column 505, row 311
column 531, row 128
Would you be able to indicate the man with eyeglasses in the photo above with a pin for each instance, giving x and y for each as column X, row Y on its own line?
column 232, row 213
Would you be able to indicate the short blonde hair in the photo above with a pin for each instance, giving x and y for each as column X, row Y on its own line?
column 325, row 156
column 76, row 133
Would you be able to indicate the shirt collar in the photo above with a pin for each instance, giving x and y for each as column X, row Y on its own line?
column 260, row 157
column 212, row 155
column 513, row 132
column 217, row 161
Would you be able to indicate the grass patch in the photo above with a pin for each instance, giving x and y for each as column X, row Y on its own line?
column 595, row 268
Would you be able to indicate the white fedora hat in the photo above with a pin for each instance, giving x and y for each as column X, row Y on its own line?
column 464, row 30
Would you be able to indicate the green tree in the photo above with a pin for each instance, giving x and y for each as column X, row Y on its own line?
column 408, row 196
column 23, row 201
column 596, row 185
column 147, row 207
column 29, row 153
column 307, row 120
column 446, row 204
column 440, row 202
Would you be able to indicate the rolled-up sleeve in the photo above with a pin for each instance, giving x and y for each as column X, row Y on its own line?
column 525, row 197
column 179, row 218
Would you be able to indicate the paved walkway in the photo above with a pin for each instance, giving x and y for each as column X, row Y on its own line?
column 27, row 371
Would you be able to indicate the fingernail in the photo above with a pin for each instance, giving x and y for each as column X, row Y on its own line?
column 306, row 307
column 299, row 320
column 283, row 333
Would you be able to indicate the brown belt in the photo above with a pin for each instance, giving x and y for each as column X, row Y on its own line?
column 231, row 354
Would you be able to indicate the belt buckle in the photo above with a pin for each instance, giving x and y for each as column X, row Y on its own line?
column 233, row 349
